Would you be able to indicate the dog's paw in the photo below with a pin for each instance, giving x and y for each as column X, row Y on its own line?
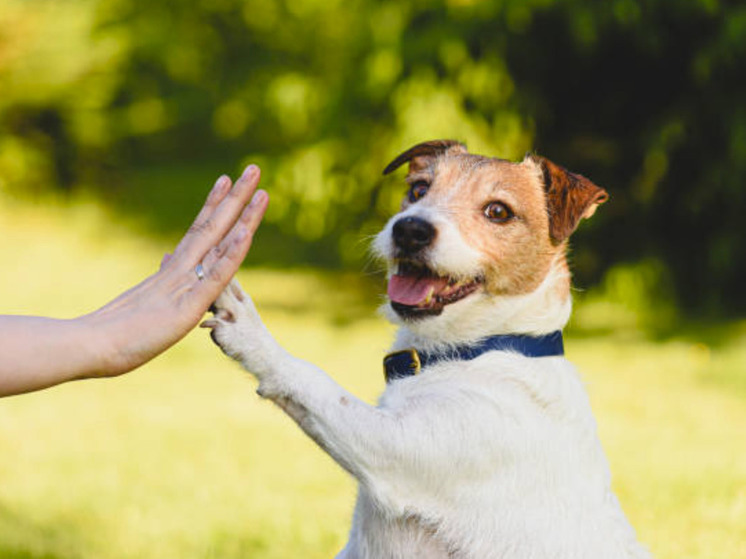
column 238, row 331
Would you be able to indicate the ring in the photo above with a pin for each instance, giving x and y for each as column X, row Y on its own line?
column 200, row 271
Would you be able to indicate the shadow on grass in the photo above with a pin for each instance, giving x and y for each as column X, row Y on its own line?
column 21, row 538
column 235, row 546
column 7, row 553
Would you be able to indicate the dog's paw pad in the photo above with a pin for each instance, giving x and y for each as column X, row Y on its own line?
column 226, row 315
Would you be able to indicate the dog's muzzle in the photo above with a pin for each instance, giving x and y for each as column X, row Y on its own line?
column 412, row 234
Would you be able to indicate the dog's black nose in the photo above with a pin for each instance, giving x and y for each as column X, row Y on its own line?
column 412, row 234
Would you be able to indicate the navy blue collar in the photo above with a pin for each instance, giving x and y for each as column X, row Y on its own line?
column 410, row 361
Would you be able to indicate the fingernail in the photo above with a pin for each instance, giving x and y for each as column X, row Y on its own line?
column 258, row 198
column 250, row 171
column 219, row 185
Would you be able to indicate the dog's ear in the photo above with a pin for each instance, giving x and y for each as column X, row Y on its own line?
column 419, row 156
column 570, row 198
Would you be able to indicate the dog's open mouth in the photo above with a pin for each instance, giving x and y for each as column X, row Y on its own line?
column 416, row 291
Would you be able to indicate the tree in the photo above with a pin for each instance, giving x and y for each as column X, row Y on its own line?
column 144, row 102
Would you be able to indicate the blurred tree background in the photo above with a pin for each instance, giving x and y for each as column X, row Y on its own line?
column 143, row 104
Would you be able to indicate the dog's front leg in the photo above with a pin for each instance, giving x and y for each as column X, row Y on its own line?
column 384, row 448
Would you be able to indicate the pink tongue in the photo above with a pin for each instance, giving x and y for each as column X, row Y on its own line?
column 409, row 290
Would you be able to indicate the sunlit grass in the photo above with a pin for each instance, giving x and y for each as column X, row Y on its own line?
column 182, row 460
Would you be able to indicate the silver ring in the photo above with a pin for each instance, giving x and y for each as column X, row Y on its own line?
column 200, row 271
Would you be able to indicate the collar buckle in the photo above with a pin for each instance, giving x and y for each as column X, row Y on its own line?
column 401, row 364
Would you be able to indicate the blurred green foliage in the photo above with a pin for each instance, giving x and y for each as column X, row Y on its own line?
column 146, row 103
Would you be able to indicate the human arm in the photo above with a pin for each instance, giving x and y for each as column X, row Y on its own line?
column 39, row 352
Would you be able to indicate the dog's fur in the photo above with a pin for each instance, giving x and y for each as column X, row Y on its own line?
column 496, row 457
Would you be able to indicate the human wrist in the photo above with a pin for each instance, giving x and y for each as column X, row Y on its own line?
column 94, row 338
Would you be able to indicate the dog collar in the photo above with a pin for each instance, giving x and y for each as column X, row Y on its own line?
column 410, row 362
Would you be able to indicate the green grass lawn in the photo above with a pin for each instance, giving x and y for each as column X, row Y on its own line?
column 182, row 460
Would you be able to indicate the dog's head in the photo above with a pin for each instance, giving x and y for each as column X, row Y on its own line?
column 477, row 236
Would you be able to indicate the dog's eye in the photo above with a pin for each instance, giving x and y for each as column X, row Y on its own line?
column 418, row 190
column 497, row 212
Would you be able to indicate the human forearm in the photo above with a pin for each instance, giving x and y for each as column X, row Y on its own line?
column 40, row 352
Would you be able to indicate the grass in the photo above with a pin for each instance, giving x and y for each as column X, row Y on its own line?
column 182, row 460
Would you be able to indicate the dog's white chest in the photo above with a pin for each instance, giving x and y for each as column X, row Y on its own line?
column 503, row 462
column 374, row 535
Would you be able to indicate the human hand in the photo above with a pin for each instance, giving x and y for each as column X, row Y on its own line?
column 155, row 314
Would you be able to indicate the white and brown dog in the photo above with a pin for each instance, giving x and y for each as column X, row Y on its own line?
column 492, row 451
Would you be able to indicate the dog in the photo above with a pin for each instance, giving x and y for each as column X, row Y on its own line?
column 483, row 444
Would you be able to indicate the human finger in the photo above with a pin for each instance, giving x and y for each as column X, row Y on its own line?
column 207, row 233
column 233, row 252
column 250, row 218
column 215, row 253
column 216, row 195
